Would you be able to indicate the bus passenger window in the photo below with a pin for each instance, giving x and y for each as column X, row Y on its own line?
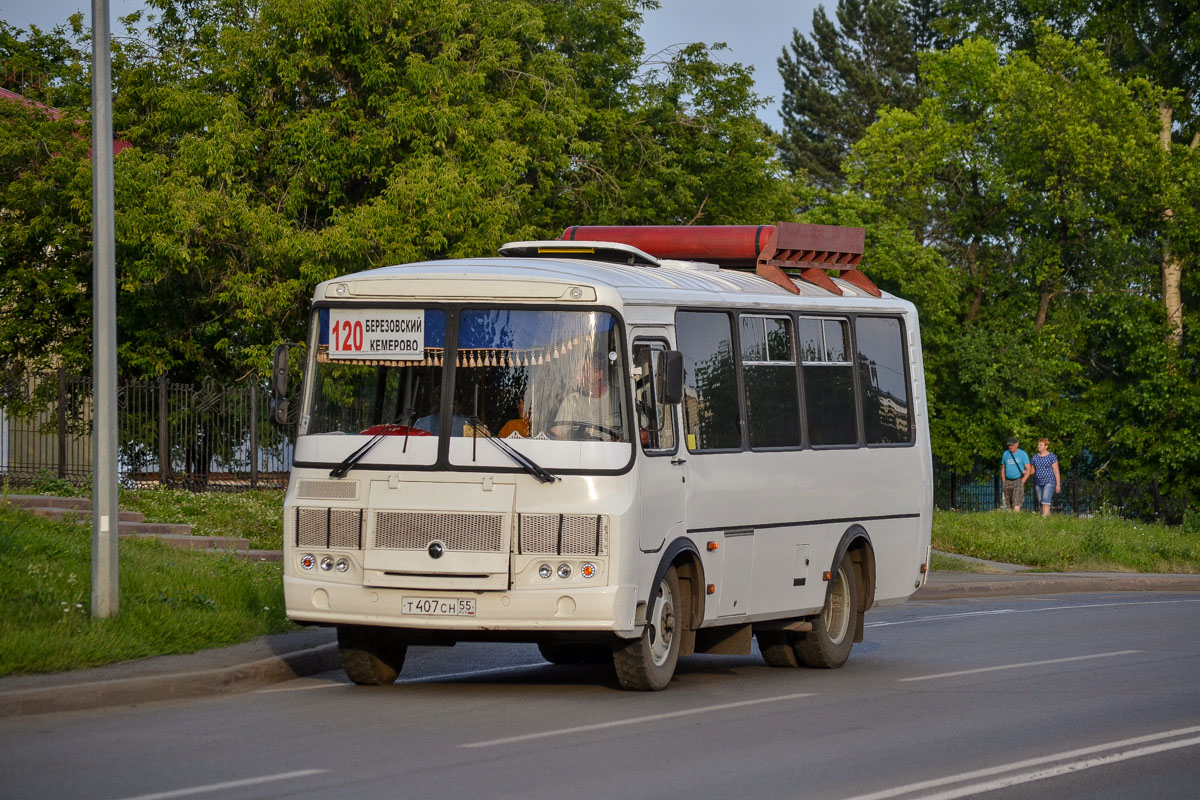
column 881, row 374
column 711, row 411
column 656, row 420
column 828, row 381
column 769, row 376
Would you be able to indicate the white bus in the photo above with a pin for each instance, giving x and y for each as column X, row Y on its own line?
column 612, row 445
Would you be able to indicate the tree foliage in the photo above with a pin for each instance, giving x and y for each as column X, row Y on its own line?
column 835, row 82
column 1037, row 176
column 278, row 143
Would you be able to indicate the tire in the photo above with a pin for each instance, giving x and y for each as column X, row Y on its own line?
column 827, row 645
column 647, row 663
column 371, row 656
column 778, row 648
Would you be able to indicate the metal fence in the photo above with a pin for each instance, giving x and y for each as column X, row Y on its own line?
column 200, row 437
column 979, row 490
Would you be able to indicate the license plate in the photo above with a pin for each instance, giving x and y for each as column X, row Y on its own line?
column 438, row 606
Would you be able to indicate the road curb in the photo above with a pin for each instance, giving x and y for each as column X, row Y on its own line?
column 150, row 688
column 1016, row 585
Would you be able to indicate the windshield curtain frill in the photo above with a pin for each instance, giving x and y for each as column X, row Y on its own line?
column 539, row 379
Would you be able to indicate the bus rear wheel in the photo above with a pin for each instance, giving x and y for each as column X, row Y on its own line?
column 371, row 656
column 827, row 645
column 647, row 663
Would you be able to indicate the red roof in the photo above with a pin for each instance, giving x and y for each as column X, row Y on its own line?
column 54, row 113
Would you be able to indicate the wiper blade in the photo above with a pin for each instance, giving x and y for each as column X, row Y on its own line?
column 516, row 455
column 349, row 461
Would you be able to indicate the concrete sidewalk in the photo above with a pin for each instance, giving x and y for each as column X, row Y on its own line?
column 273, row 659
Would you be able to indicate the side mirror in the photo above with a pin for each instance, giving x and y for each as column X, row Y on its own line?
column 279, row 371
column 279, row 384
column 670, row 370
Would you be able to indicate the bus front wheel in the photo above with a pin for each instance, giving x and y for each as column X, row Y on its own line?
column 647, row 663
column 827, row 645
column 370, row 656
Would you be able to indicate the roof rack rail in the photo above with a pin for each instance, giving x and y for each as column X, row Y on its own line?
column 769, row 249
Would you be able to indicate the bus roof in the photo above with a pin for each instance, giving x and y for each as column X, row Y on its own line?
column 672, row 282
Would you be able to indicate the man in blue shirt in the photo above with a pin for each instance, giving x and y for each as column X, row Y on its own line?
column 1014, row 471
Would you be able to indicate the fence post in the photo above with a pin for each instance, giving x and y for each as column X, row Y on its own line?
column 253, row 435
column 164, row 448
column 62, row 423
column 995, row 490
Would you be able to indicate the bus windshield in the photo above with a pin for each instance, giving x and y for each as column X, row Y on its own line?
column 518, row 374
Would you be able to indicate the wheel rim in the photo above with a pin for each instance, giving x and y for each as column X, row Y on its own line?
column 661, row 629
column 837, row 610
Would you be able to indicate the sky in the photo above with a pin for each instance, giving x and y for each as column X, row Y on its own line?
column 756, row 31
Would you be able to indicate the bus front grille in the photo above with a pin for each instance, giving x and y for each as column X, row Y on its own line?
column 407, row 530
column 329, row 527
column 563, row 534
column 314, row 489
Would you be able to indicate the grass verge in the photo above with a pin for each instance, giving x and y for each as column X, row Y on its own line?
column 171, row 601
column 1066, row 544
column 256, row 514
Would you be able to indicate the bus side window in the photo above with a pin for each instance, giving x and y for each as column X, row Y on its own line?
column 828, row 381
column 881, row 361
column 656, row 420
column 712, row 414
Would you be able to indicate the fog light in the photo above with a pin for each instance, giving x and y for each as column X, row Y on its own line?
column 326, row 563
column 545, row 570
column 564, row 570
column 308, row 561
column 588, row 570
column 342, row 565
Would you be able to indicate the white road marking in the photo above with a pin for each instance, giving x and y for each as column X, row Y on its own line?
column 636, row 720
column 306, row 688
column 1015, row 766
column 1019, row 666
column 220, row 787
column 937, row 617
column 451, row 675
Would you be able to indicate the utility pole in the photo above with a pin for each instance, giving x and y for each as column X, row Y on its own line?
column 105, row 594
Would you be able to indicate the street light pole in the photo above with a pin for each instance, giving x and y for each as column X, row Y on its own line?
column 104, row 328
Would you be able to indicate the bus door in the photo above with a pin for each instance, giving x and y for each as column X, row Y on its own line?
column 662, row 467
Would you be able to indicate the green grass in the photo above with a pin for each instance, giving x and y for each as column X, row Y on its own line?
column 171, row 601
column 1068, row 544
column 256, row 514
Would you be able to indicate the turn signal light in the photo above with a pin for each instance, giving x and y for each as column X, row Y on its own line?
column 711, row 588
column 924, row 568
column 712, row 546
column 826, row 576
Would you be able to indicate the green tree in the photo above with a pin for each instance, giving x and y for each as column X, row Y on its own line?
column 835, row 83
column 278, row 143
column 1033, row 175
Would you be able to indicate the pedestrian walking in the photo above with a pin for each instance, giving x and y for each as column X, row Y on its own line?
column 1046, row 480
column 1014, row 471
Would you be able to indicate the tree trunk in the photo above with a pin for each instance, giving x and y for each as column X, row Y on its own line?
column 1172, row 265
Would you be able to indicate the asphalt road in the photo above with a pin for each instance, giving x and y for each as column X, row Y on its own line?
column 1086, row 695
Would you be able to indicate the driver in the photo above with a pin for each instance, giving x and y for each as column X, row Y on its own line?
column 590, row 404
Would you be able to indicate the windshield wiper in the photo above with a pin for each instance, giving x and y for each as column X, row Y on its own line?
column 520, row 458
column 349, row 461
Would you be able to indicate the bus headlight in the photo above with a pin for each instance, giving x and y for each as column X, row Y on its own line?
column 326, row 563
column 341, row 565
column 545, row 571
column 564, row 570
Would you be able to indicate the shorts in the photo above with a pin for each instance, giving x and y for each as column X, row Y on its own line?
column 1044, row 493
column 1014, row 493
